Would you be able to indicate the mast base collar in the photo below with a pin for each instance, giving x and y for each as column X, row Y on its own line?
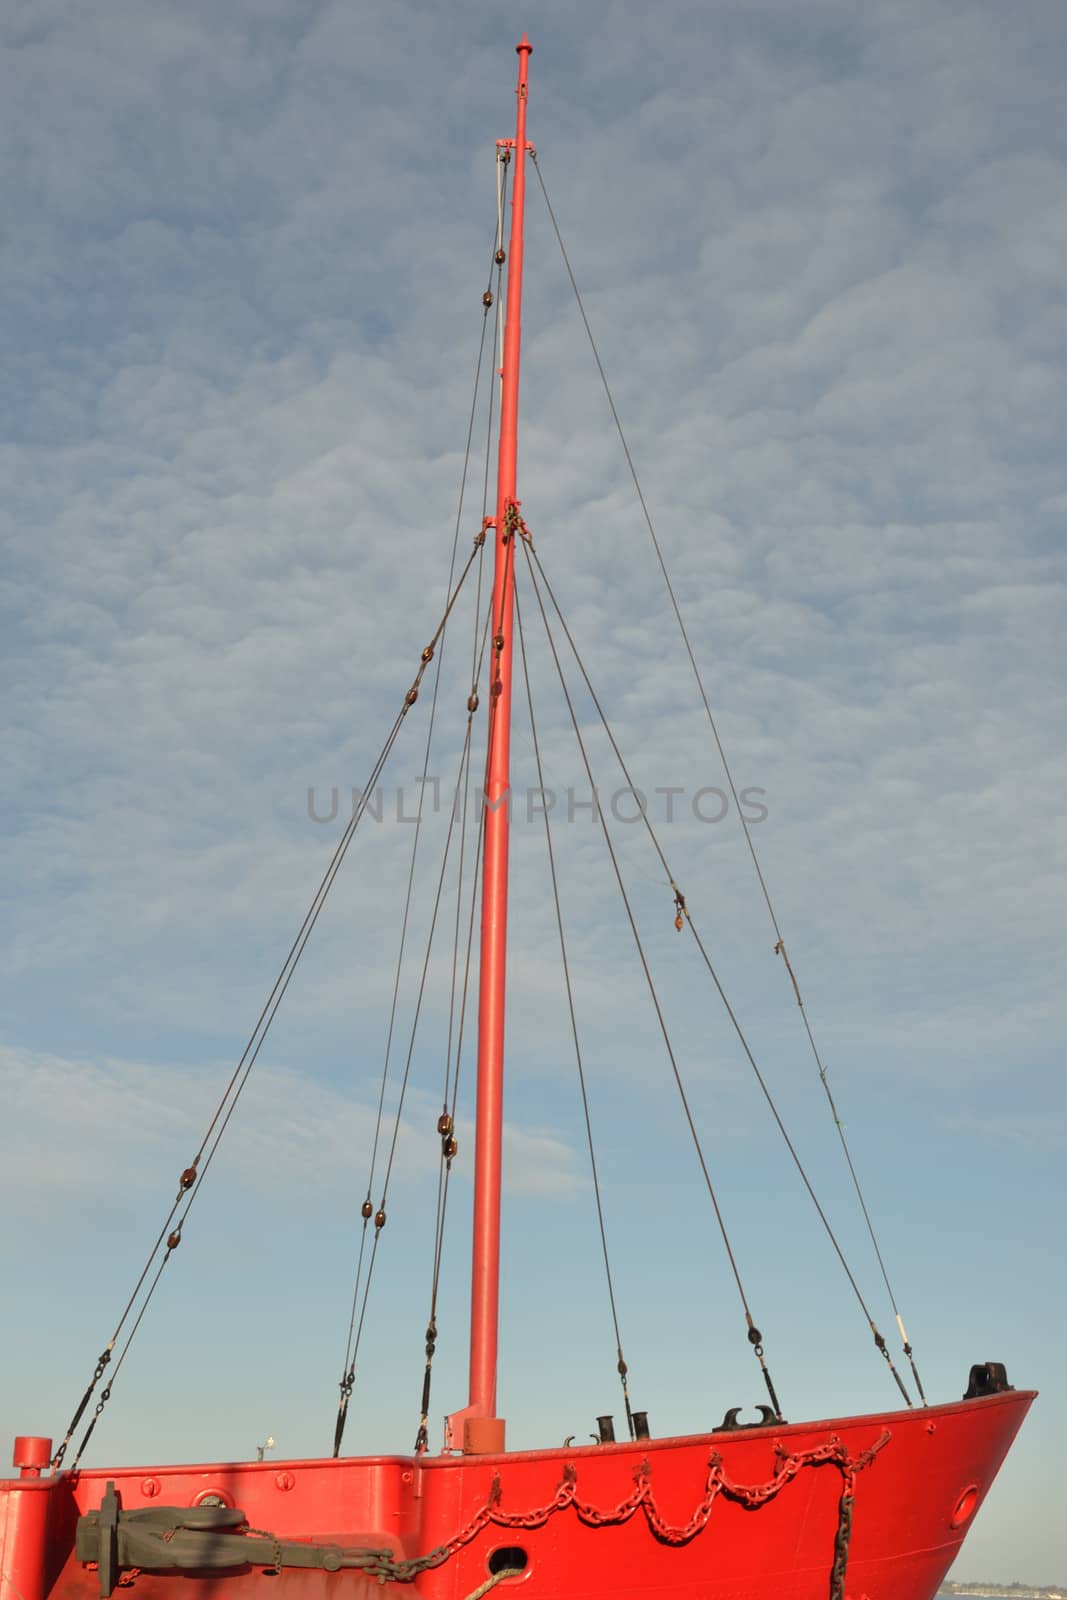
column 483, row 1436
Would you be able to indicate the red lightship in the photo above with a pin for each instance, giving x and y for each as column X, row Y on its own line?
column 870, row 1507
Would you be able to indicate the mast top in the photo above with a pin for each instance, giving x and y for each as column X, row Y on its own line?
column 524, row 44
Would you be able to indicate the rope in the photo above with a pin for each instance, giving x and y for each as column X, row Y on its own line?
column 449, row 1113
column 447, row 1121
column 642, row 957
column 193, row 1176
column 347, row 1370
column 380, row 1213
column 684, row 914
column 779, row 948
column 477, row 657
column 503, row 163
column 446, row 1124
column 622, row 1367
column 491, row 1583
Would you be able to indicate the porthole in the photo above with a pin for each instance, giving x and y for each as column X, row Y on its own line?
column 964, row 1508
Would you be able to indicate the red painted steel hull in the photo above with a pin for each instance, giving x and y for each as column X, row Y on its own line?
column 914, row 1502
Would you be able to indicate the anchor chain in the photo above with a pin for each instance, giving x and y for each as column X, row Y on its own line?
column 218, row 1538
column 642, row 1498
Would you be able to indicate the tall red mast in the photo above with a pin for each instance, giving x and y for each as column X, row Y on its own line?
column 482, row 1429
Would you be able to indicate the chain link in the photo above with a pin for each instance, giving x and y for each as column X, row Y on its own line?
column 387, row 1568
column 751, row 1496
column 842, row 1540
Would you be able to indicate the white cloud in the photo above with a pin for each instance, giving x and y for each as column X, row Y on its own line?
column 822, row 253
column 108, row 1127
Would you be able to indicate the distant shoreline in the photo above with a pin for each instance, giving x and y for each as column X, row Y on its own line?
column 1004, row 1591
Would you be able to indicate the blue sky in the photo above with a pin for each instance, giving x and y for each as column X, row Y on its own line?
column 242, row 254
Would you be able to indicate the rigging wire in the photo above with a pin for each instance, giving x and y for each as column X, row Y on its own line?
column 455, row 1023
column 503, row 162
column 780, row 947
column 754, row 1336
column 380, row 1214
column 193, row 1176
column 684, row 915
column 446, row 1123
column 478, row 648
column 366, row 1210
column 621, row 1366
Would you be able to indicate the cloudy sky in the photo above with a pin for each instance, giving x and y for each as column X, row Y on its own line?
column 242, row 252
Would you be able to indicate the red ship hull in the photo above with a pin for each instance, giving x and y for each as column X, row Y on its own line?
column 753, row 1514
